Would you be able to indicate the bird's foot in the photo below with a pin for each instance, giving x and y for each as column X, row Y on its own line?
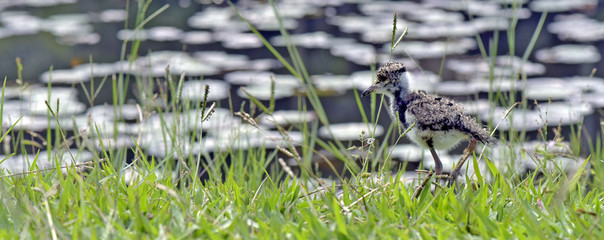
column 455, row 173
column 453, row 176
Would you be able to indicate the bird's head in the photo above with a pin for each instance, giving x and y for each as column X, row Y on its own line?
column 392, row 79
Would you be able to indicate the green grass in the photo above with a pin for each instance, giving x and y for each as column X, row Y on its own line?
column 256, row 197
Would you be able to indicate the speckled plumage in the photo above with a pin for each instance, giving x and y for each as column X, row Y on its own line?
column 439, row 122
column 435, row 113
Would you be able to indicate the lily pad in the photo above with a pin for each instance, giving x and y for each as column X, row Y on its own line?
column 247, row 77
column 320, row 40
column 234, row 40
column 569, row 54
column 66, row 107
column 561, row 5
column 197, row 37
column 128, row 112
column 194, row 90
column 22, row 163
column 587, row 84
column 288, row 117
column 435, row 49
column 527, row 120
column 577, row 27
column 263, row 91
column 359, row 53
column 549, row 88
column 455, row 88
column 350, row 131
column 65, row 76
column 476, row 107
column 408, row 152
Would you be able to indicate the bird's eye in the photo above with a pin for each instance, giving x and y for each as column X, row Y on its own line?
column 381, row 78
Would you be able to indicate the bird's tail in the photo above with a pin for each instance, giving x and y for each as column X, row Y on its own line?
column 485, row 138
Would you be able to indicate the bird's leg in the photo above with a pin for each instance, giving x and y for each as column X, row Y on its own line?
column 466, row 153
column 438, row 165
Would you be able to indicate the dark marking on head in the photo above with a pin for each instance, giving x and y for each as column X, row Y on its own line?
column 391, row 71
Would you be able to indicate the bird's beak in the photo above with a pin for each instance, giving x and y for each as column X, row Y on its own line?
column 368, row 90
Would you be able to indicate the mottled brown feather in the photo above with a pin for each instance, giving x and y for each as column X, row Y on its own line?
column 441, row 114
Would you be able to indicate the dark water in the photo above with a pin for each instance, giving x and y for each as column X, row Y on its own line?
column 42, row 50
column 38, row 52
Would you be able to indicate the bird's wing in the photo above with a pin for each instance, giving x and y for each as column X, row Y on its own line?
column 434, row 113
column 441, row 114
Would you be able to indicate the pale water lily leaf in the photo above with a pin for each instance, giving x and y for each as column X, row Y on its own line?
column 350, row 131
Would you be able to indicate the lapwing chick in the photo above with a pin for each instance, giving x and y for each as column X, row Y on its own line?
column 439, row 122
